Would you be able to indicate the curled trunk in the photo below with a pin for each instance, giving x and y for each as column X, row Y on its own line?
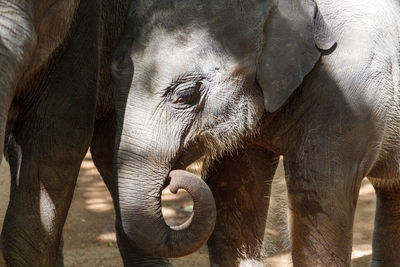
column 139, row 206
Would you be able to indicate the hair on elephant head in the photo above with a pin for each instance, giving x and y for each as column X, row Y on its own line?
column 192, row 78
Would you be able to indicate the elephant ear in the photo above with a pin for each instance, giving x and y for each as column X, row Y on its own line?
column 294, row 35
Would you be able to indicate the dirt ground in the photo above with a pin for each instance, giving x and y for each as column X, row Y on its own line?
column 89, row 234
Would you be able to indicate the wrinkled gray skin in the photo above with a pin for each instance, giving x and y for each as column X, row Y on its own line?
column 56, row 97
column 320, row 86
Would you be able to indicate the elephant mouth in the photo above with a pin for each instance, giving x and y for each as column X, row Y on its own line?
column 186, row 173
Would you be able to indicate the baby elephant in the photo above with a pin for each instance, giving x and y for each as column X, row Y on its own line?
column 236, row 84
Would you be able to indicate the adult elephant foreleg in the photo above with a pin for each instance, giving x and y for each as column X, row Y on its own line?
column 47, row 144
column 40, row 195
column 102, row 147
column 241, row 186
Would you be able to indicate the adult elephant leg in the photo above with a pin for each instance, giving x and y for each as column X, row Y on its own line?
column 44, row 169
column 386, row 250
column 102, row 147
column 47, row 145
column 241, row 187
column 60, row 254
column 322, row 193
column 102, row 150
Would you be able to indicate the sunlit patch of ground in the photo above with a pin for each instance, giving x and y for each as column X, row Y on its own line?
column 89, row 233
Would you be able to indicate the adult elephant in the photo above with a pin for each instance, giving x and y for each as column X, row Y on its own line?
column 56, row 96
column 318, row 84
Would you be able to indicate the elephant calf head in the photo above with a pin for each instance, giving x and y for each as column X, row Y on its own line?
column 192, row 78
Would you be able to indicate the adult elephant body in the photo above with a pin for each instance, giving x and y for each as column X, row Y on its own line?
column 57, row 100
column 319, row 84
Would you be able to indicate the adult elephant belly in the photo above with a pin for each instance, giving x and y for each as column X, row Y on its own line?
column 30, row 33
column 52, row 22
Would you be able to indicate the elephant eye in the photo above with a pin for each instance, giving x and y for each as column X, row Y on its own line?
column 186, row 96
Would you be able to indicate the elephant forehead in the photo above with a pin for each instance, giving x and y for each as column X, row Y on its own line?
column 196, row 51
column 226, row 27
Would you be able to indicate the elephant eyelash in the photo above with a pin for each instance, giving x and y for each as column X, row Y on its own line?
column 183, row 82
column 184, row 95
